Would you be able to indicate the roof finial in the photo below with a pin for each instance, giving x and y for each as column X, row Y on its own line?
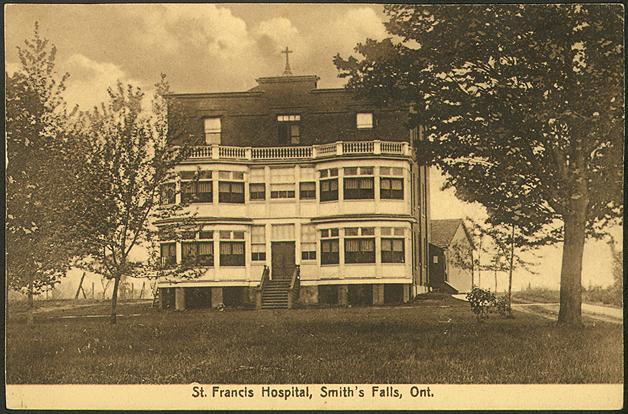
column 287, row 70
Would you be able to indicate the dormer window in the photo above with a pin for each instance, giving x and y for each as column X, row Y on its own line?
column 289, row 129
column 364, row 120
column 212, row 127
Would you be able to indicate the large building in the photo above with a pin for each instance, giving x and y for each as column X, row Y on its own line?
column 300, row 195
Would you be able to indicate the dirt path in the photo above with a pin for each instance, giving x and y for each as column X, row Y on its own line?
column 594, row 312
column 550, row 310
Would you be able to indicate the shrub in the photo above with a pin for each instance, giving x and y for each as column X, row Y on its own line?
column 481, row 301
column 503, row 307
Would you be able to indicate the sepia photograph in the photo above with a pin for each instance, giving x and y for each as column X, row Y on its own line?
column 314, row 206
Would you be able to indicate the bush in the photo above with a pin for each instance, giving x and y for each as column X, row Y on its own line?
column 503, row 307
column 481, row 301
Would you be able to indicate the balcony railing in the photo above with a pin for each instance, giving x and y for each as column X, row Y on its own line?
column 224, row 152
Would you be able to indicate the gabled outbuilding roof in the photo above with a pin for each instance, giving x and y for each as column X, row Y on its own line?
column 442, row 232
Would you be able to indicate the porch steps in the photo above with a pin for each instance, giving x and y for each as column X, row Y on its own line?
column 275, row 294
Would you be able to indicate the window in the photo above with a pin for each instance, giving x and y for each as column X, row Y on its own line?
column 282, row 183
column 393, row 245
column 289, row 129
column 231, row 191
column 167, row 193
column 168, row 254
column 329, row 246
column 257, row 188
column 435, row 259
column 364, row 120
column 360, row 186
column 391, row 183
column 308, row 242
column 307, row 187
column 196, row 186
column 359, row 249
column 212, row 127
column 198, row 251
column 258, row 243
column 231, row 248
column 329, row 184
column 307, row 191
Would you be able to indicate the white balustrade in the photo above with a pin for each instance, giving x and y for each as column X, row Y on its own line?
column 232, row 152
column 326, row 150
column 358, row 147
column 376, row 147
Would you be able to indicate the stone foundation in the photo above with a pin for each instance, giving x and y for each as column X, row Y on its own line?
column 378, row 294
column 308, row 295
column 216, row 296
column 343, row 295
column 179, row 299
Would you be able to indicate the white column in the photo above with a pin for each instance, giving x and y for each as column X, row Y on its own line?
column 177, row 190
column 297, row 243
column 406, row 190
column 247, row 253
column 215, row 187
column 378, row 253
column 267, row 235
column 341, row 253
column 341, row 189
column 376, row 185
column 297, row 182
column 178, row 252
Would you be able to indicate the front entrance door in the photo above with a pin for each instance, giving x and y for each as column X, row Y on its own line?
column 283, row 262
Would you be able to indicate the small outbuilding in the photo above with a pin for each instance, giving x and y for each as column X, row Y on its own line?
column 451, row 256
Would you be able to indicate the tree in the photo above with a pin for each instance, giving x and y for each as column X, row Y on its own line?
column 127, row 159
column 523, row 111
column 508, row 249
column 39, row 172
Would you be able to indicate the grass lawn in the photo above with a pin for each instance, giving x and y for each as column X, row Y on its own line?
column 433, row 341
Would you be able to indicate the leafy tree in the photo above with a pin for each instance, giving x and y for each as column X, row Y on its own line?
column 39, row 172
column 523, row 111
column 508, row 248
column 127, row 159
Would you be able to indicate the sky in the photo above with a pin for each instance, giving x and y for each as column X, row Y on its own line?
column 225, row 47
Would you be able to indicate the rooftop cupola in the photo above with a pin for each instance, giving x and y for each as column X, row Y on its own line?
column 287, row 81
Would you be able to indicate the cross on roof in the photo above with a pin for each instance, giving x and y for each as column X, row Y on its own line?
column 287, row 70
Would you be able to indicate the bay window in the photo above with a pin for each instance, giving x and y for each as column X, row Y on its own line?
column 329, row 246
column 198, row 251
column 168, row 253
column 393, row 244
column 196, row 186
column 358, row 183
column 231, row 187
column 391, row 183
column 167, row 193
column 329, row 184
column 359, row 249
column 232, row 248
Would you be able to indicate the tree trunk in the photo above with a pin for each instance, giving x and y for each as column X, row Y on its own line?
column 29, row 315
column 480, row 264
column 512, row 256
column 114, row 299
column 570, row 312
column 495, row 279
